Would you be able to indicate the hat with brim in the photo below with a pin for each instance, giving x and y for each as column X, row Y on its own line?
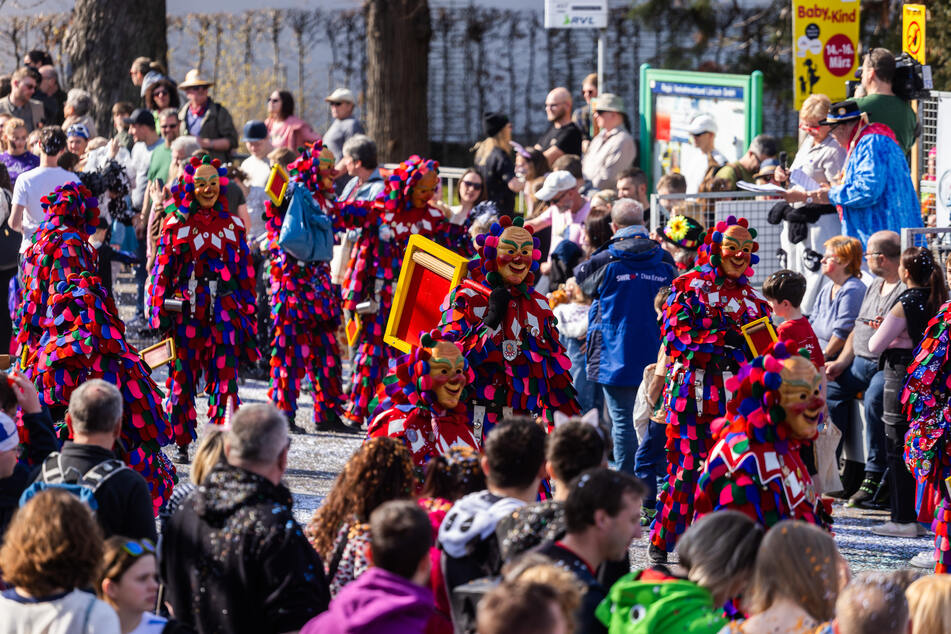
column 608, row 102
column 193, row 79
column 842, row 112
column 555, row 183
column 702, row 123
column 340, row 95
column 684, row 232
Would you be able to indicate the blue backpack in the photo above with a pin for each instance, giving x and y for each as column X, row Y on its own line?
column 83, row 486
column 306, row 232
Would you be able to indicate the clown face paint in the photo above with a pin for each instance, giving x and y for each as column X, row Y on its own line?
column 326, row 166
column 802, row 396
column 447, row 373
column 514, row 255
column 206, row 186
column 735, row 251
column 422, row 192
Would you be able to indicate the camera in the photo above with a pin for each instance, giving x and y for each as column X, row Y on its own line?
column 912, row 80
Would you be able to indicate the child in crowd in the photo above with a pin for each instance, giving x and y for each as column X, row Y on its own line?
column 572, row 315
column 784, row 291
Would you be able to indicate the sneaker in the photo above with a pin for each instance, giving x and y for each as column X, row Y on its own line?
column 181, row 454
column 656, row 555
column 293, row 427
column 647, row 515
column 893, row 529
column 866, row 492
column 924, row 559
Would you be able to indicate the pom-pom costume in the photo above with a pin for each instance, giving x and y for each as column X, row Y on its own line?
column 85, row 339
column 305, row 307
column 420, row 402
column 380, row 230
column 702, row 340
column 927, row 402
column 507, row 331
column 202, row 295
column 755, row 468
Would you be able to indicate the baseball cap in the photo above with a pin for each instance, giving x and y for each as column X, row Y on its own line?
column 78, row 129
column 340, row 94
column 140, row 116
column 555, row 183
column 255, row 130
column 702, row 123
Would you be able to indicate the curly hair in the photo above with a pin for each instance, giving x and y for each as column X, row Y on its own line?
column 380, row 471
column 453, row 475
column 52, row 543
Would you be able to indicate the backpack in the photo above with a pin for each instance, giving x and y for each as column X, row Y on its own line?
column 83, row 486
column 307, row 232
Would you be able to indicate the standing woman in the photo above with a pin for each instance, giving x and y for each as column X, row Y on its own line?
column 284, row 128
column 16, row 157
column 9, row 251
column 895, row 340
column 161, row 94
column 493, row 157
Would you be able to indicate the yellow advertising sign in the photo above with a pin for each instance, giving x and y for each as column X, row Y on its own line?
column 825, row 40
column 913, row 31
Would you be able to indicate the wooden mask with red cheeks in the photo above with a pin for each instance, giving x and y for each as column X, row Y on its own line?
column 447, row 373
column 207, row 186
column 514, row 255
column 735, row 251
column 802, row 396
column 326, row 166
column 424, row 189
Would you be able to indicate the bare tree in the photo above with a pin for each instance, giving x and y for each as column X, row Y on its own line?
column 398, row 35
column 103, row 39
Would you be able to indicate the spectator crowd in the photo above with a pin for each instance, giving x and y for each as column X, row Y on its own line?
column 531, row 530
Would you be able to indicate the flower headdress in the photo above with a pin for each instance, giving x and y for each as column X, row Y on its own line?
column 683, row 231
column 708, row 262
column 755, row 406
column 399, row 184
column 72, row 205
column 487, row 245
column 409, row 383
column 184, row 192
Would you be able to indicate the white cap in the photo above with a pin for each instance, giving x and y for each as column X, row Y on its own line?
column 702, row 123
column 555, row 183
column 341, row 94
column 9, row 438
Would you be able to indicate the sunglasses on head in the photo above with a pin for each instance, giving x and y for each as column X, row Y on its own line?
column 139, row 547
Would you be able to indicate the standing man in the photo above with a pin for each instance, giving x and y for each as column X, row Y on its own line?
column 623, row 277
column 142, row 126
column 761, row 147
column 703, row 133
column 583, row 117
column 344, row 125
column 612, row 150
column 205, row 119
column 140, row 68
column 258, row 143
column 33, row 185
column 632, row 183
column 566, row 213
column 366, row 183
column 51, row 95
column 161, row 157
column 20, row 103
column 880, row 103
column 563, row 137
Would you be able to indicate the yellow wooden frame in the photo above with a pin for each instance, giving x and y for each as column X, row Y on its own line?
column 357, row 327
column 165, row 345
column 756, row 325
column 277, row 168
column 418, row 243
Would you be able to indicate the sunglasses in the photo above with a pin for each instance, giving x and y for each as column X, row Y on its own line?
column 139, row 547
column 274, row 100
column 159, row 93
column 472, row 185
column 336, row 103
column 170, row 126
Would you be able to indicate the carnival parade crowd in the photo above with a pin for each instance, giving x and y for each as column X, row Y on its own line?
column 587, row 383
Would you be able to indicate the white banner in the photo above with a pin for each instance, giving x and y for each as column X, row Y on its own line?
column 576, row 14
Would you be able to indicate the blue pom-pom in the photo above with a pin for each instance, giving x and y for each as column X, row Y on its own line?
column 189, row 187
column 537, row 243
column 754, row 259
column 772, row 380
column 748, row 406
column 717, row 236
column 495, row 229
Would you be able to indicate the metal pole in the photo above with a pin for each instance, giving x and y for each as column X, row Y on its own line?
column 601, row 87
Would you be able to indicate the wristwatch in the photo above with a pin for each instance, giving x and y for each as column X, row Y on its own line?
column 808, row 200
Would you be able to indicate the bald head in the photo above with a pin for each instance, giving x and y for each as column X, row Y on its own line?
column 558, row 105
column 626, row 212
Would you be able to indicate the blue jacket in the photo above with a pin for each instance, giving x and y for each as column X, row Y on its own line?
column 876, row 191
column 622, row 278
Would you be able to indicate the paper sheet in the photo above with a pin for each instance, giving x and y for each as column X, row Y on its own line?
column 768, row 188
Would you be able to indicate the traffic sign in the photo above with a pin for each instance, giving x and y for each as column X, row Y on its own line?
column 913, row 31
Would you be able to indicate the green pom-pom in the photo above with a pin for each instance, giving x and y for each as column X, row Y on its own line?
column 427, row 341
column 753, row 232
column 804, row 353
column 715, row 260
column 494, row 278
column 518, row 221
column 777, row 414
column 757, row 390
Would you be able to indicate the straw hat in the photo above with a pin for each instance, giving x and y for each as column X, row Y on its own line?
column 193, row 79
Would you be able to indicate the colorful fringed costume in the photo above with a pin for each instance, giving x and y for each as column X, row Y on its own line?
column 305, row 309
column 85, row 339
column 60, row 249
column 520, row 364
column 202, row 295
column 755, row 467
column 384, row 227
column 927, row 401
column 701, row 338
column 410, row 404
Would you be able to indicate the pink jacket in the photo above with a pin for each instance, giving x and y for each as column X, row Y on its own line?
column 291, row 133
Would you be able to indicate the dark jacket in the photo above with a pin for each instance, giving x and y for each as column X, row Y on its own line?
column 217, row 124
column 623, row 277
column 587, row 622
column 497, row 171
column 234, row 560
column 42, row 443
column 124, row 501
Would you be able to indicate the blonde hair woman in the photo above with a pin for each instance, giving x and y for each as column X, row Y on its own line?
column 493, row 157
column 929, row 602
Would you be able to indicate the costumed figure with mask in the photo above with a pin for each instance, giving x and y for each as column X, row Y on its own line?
column 702, row 341
column 777, row 405
column 927, row 405
column 384, row 227
column 81, row 337
column 507, row 332
column 202, row 295
column 305, row 308
column 420, row 402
